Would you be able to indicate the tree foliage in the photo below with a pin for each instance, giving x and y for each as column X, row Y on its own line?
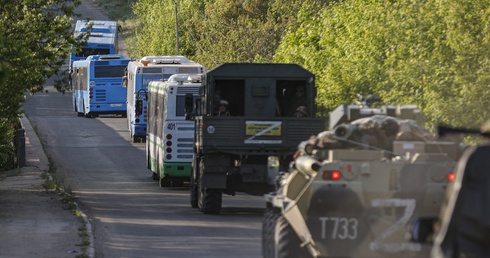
column 213, row 32
column 432, row 53
column 36, row 39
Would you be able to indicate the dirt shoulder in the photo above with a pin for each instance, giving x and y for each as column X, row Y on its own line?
column 34, row 221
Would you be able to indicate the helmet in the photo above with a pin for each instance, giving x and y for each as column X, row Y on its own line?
column 223, row 102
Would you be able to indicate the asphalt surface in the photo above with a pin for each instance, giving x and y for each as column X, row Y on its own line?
column 34, row 221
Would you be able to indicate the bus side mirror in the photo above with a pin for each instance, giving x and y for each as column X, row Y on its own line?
column 423, row 229
column 125, row 81
column 189, row 106
column 139, row 107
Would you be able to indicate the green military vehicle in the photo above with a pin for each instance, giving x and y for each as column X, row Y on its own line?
column 249, row 120
column 354, row 190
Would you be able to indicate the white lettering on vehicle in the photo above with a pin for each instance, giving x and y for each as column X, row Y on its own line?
column 379, row 242
column 343, row 228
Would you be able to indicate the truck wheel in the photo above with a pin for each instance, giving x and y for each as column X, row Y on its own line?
column 209, row 200
column 193, row 193
column 286, row 242
column 193, row 184
column 268, row 230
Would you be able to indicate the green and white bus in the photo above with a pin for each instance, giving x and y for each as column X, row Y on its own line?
column 170, row 138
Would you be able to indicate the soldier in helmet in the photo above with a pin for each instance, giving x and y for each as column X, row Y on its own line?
column 299, row 103
column 223, row 108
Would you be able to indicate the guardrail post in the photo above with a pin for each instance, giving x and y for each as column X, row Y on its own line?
column 21, row 148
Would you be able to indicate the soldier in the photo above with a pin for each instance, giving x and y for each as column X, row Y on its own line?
column 299, row 100
column 223, row 108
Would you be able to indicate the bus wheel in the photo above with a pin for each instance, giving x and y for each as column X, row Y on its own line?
column 135, row 138
column 154, row 176
column 178, row 183
column 165, row 182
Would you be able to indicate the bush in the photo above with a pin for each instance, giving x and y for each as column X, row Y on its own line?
column 7, row 149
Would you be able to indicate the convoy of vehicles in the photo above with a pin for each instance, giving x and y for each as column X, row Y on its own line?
column 170, row 140
column 138, row 75
column 354, row 190
column 97, row 85
column 235, row 153
column 101, row 41
column 370, row 186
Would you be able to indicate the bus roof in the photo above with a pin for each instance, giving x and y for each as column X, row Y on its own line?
column 162, row 60
column 97, row 26
column 105, row 57
column 101, row 40
column 155, row 64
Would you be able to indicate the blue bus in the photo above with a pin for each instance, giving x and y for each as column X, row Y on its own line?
column 139, row 74
column 102, row 39
column 97, row 85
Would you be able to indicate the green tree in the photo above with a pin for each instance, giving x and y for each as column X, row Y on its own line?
column 214, row 32
column 6, row 129
column 37, row 37
column 431, row 53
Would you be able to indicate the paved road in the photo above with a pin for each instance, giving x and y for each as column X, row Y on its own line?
column 130, row 214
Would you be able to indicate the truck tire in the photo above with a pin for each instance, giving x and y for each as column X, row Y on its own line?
column 286, row 242
column 193, row 184
column 209, row 200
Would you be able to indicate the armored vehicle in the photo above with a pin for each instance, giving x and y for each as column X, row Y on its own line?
column 354, row 190
column 249, row 116
column 462, row 229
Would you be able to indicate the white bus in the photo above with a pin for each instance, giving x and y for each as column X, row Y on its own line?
column 139, row 74
column 170, row 139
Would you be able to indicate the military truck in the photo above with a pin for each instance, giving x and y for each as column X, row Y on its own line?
column 462, row 227
column 353, row 190
column 242, row 151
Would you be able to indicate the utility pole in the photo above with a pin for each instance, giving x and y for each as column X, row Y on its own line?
column 176, row 30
